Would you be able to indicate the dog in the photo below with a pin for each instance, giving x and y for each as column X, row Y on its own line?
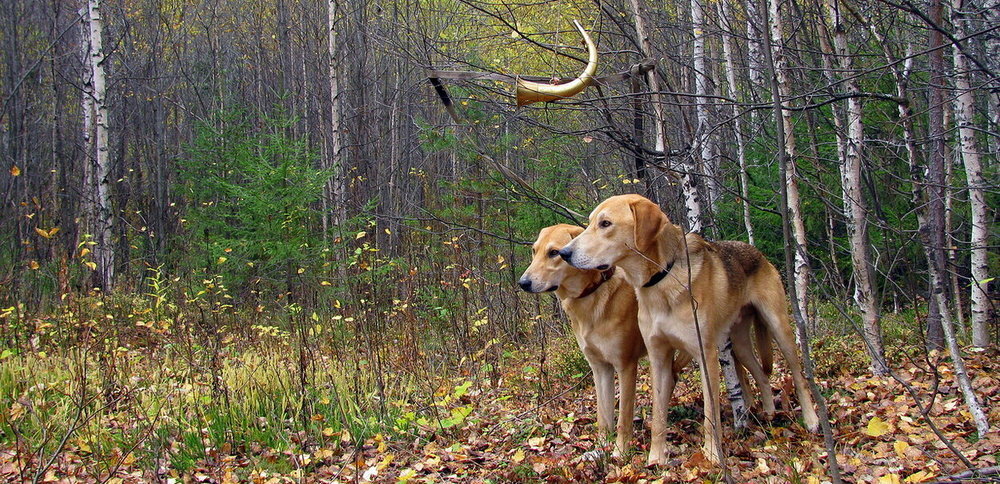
column 690, row 293
column 603, row 310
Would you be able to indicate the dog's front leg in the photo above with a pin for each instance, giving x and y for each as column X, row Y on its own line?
column 661, row 359
column 604, row 383
column 626, row 407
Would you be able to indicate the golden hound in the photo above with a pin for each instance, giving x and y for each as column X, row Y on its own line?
column 690, row 293
column 603, row 310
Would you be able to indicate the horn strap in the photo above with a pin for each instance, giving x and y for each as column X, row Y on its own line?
column 596, row 285
column 659, row 276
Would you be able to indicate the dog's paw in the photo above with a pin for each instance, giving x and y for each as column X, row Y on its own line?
column 594, row 456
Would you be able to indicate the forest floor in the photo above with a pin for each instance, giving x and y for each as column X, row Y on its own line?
column 529, row 426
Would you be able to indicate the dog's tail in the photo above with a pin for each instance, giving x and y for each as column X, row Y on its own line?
column 764, row 344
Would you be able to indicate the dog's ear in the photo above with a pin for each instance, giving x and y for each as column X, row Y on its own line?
column 649, row 222
column 574, row 230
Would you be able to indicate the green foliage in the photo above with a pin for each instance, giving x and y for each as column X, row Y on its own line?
column 250, row 192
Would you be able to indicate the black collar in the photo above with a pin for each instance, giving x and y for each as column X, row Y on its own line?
column 659, row 276
column 595, row 286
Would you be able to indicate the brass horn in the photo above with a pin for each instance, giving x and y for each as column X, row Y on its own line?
column 532, row 92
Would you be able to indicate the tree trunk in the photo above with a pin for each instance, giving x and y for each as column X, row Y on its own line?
column 659, row 117
column 100, row 192
column 704, row 140
column 964, row 114
column 772, row 46
column 933, row 233
column 783, row 92
column 336, row 187
column 850, row 146
column 730, row 68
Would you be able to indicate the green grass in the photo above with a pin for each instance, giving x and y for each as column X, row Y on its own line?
column 170, row 414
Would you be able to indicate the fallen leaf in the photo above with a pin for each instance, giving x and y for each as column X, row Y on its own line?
column 877, row 427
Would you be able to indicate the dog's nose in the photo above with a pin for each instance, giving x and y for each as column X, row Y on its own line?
column 566, row 254
column 525, row 284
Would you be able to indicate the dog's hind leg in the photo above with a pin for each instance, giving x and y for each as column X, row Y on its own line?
column 771, row 307
column 743, row 351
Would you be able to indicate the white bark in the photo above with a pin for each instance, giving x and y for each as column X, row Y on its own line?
column 850, row 145
column 336, row 187
column 791, row 176
column 99, row 194
column 639, row 14
column 730, row 68
column 755, row 57
column 703, row 103
column 968, row 394
column 964, row 113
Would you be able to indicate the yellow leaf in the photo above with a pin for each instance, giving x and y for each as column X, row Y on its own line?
column 222, row 260
column 919, row 476
column 519, row 455
column 388, row 232
column 84, row 251
column 328, row 432
column 33, row 265
column 900, row 447
column 360, row 235
column 536, row 441
column 889, row 479
column 877, row 427
column 15, row 171
column 407, row 474
column 46, row 233
column 325, row 283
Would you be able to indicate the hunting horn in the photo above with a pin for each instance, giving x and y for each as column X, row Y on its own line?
column 532, row 92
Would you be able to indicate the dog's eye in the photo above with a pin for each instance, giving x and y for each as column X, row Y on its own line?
column 553, row 253
column 604, row 224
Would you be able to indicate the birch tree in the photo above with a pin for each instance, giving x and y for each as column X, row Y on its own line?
column 97, row 191
column 783, row 92
column 703, row 104
column 850, row 148
column 964, row 114
column 933, row 233
column 336, row 188
column 730, row 68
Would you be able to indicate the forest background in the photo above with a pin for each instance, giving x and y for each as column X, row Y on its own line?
column 249, row 240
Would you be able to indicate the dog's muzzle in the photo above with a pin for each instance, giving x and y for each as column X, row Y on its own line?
column 525, row 284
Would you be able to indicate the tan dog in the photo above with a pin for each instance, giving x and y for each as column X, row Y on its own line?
column 603, row 310
column 690, row 293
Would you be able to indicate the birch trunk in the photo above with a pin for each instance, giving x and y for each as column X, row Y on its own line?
column 730, row 68
column 99, row 193
column 659, row 119
column 702, row 89
column 639, row 13
column 934, row 332
column 850, row 145
column 786, row 163
column 933, row 233
column 964, row 113
column 336, row 187
column 87, row 108
column 755, row 58
column 801, row 264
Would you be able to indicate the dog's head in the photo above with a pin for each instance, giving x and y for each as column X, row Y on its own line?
column 547, row 270
column 620, row 226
